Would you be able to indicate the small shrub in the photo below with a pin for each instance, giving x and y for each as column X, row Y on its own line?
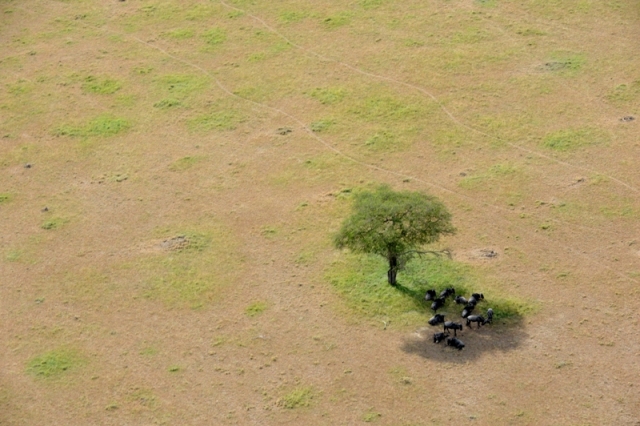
column 54, row 363
column 299, row 397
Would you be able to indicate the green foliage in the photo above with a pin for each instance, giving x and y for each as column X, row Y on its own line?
column 328, row 95
column 220, row 120
column 299, row 397
column 255, row 308
column 104, row 86
column 570, row 139
column 392, row 223
column 214, row 36
column 54, row 363
column 5, row 197
column 362, row 281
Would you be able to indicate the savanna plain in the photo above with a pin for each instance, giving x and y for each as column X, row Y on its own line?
column 172, row 174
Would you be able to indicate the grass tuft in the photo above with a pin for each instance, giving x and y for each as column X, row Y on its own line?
column 220, row 120
column 214, row 36
column 54, row 363
column 571, row 139
column 328, row 95
column 180, row 33
column 185, row 163
column 104, row 86
column 299, row 397
column 255, row 308
column 103, row 125
column 5, row 197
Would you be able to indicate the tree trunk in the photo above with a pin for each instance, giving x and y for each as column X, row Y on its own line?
column 393, row 270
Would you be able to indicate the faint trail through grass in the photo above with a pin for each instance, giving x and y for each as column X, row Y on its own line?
column 428, row 94
column 315, row 136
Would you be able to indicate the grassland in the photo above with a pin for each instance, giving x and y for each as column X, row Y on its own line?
column 171, row 174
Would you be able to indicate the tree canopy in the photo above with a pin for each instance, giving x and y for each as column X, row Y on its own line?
column 393, row 224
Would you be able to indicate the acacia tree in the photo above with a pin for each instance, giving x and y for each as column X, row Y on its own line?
column 393, row 224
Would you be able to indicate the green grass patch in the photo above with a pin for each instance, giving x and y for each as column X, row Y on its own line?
column 185, row 163
column 567, row 63
column 255, row 309
column 321, row 125
column 384, row 109
column 497, row 172
column 54, row 363
column 337, row 20
column 103, row 125
column 625, row 92
column 292, row 16
column 5, row 197
column 219, row 120
column 214, row 36
column 53, row 223
column 180, row 33
column 181, row 85
column 167, row 103
column 382, row 141
column 571, row 139
column 370, row 4
column 370, row 416
column 362, row 281
column 297, row 398
column 103, row 86
column 328, row 95
column 193, row 269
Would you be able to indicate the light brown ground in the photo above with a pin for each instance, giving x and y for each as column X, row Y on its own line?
column 83, row 285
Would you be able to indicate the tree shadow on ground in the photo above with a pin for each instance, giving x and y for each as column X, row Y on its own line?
column 487, row 339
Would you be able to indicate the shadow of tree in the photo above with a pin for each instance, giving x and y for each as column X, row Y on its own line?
column 487, row 339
